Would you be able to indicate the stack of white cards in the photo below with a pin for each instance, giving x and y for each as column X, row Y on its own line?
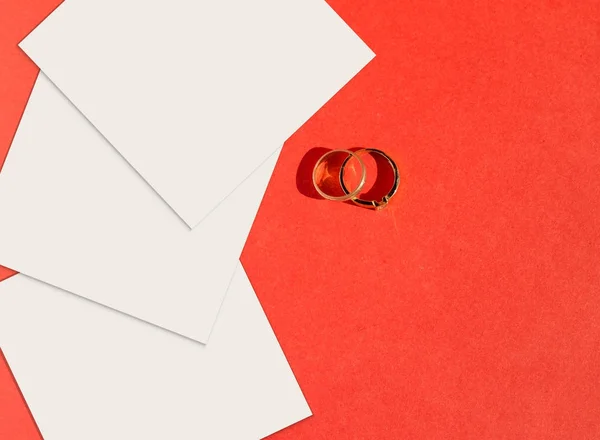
column 125, row 201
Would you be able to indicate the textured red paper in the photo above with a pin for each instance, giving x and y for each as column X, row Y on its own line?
column 470, row 309
column 17, row 72
column 6, row 273
column 16, row 422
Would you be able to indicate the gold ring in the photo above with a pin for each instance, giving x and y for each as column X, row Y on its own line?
column 373, row 204
column 349, row 195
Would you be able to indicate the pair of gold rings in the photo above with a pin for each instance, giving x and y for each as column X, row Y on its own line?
column 354, row 195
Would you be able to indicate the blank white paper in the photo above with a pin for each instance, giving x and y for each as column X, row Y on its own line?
column 189, row 91
column 88, row 372
column 75, row 215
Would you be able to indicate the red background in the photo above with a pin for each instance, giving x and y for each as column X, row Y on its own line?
column 469, row 308
column 16, row 422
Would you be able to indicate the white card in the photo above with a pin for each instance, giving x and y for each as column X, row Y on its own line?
column 75, row 215
column 190, row 91
column 88, row 372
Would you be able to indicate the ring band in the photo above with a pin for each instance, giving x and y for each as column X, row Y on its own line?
column 373, row 204
column 348, row 195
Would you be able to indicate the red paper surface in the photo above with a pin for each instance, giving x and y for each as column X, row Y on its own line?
column 17, row 73
column 16, row 422
column 470, row 308
column 6, row 273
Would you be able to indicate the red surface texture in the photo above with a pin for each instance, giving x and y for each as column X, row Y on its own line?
column 470, row 308
column 6, row 273
column 16, row 422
